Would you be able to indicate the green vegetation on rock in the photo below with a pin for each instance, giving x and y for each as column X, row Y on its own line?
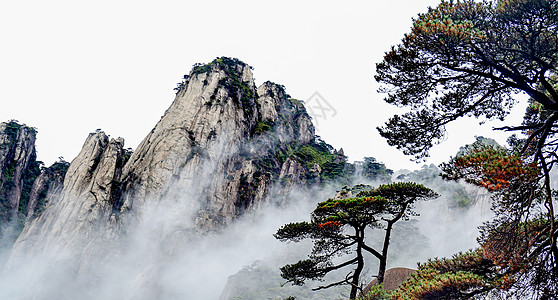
column 239, row 90
column 262, row 127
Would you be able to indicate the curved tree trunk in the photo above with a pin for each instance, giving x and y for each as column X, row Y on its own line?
column 360, row 265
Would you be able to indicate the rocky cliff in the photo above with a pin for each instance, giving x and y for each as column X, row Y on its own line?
column 82, row 211
column 24, row 182
column 19, row 169
column 221, row 149
column 212, row 141
column 46, row 186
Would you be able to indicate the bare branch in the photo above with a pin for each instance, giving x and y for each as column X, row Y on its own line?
column 372, row 251
column 516, row 128
column 322, row 287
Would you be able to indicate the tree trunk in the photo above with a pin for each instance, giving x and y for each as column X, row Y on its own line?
column 382, row 270
column 383, row 259
column 360, row 265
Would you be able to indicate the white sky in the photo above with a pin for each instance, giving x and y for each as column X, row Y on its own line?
column 70, row 67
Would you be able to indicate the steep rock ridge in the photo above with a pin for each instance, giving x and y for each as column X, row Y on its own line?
column 216, row 153
column 222, row 149
column 211, row 141
column 289, row 115
column 49, row 183
column 292, row 173
column 18, row 168
column 84, row 209
column 207, row 122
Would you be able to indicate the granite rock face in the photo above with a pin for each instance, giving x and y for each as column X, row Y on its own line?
column 201, row 135
column 219, row 149
column 83, row 210
column 222, row 150
column 211, row 142
column 17, row 157
column 49, row 183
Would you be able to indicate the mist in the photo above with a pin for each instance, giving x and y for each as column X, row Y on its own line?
column 157, row 252
column 160, row 257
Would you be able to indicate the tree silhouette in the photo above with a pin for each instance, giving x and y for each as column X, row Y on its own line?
column 338, row 228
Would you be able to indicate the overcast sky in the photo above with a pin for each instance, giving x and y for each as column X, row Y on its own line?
column 70, row 67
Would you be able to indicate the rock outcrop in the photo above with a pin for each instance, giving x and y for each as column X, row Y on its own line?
column 46, row 186
column 201, row 135
column 83, row 210
column 18, row 168
column 211, row 142
column 220, row 149
column 392, row 279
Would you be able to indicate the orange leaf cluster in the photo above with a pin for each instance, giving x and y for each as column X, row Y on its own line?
column 495, row 169
column 329, row 223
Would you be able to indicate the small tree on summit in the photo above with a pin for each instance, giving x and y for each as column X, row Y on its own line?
column 338, row 228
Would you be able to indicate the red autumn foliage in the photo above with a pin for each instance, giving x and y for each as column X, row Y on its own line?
column 490, row 167
column 329, row 223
